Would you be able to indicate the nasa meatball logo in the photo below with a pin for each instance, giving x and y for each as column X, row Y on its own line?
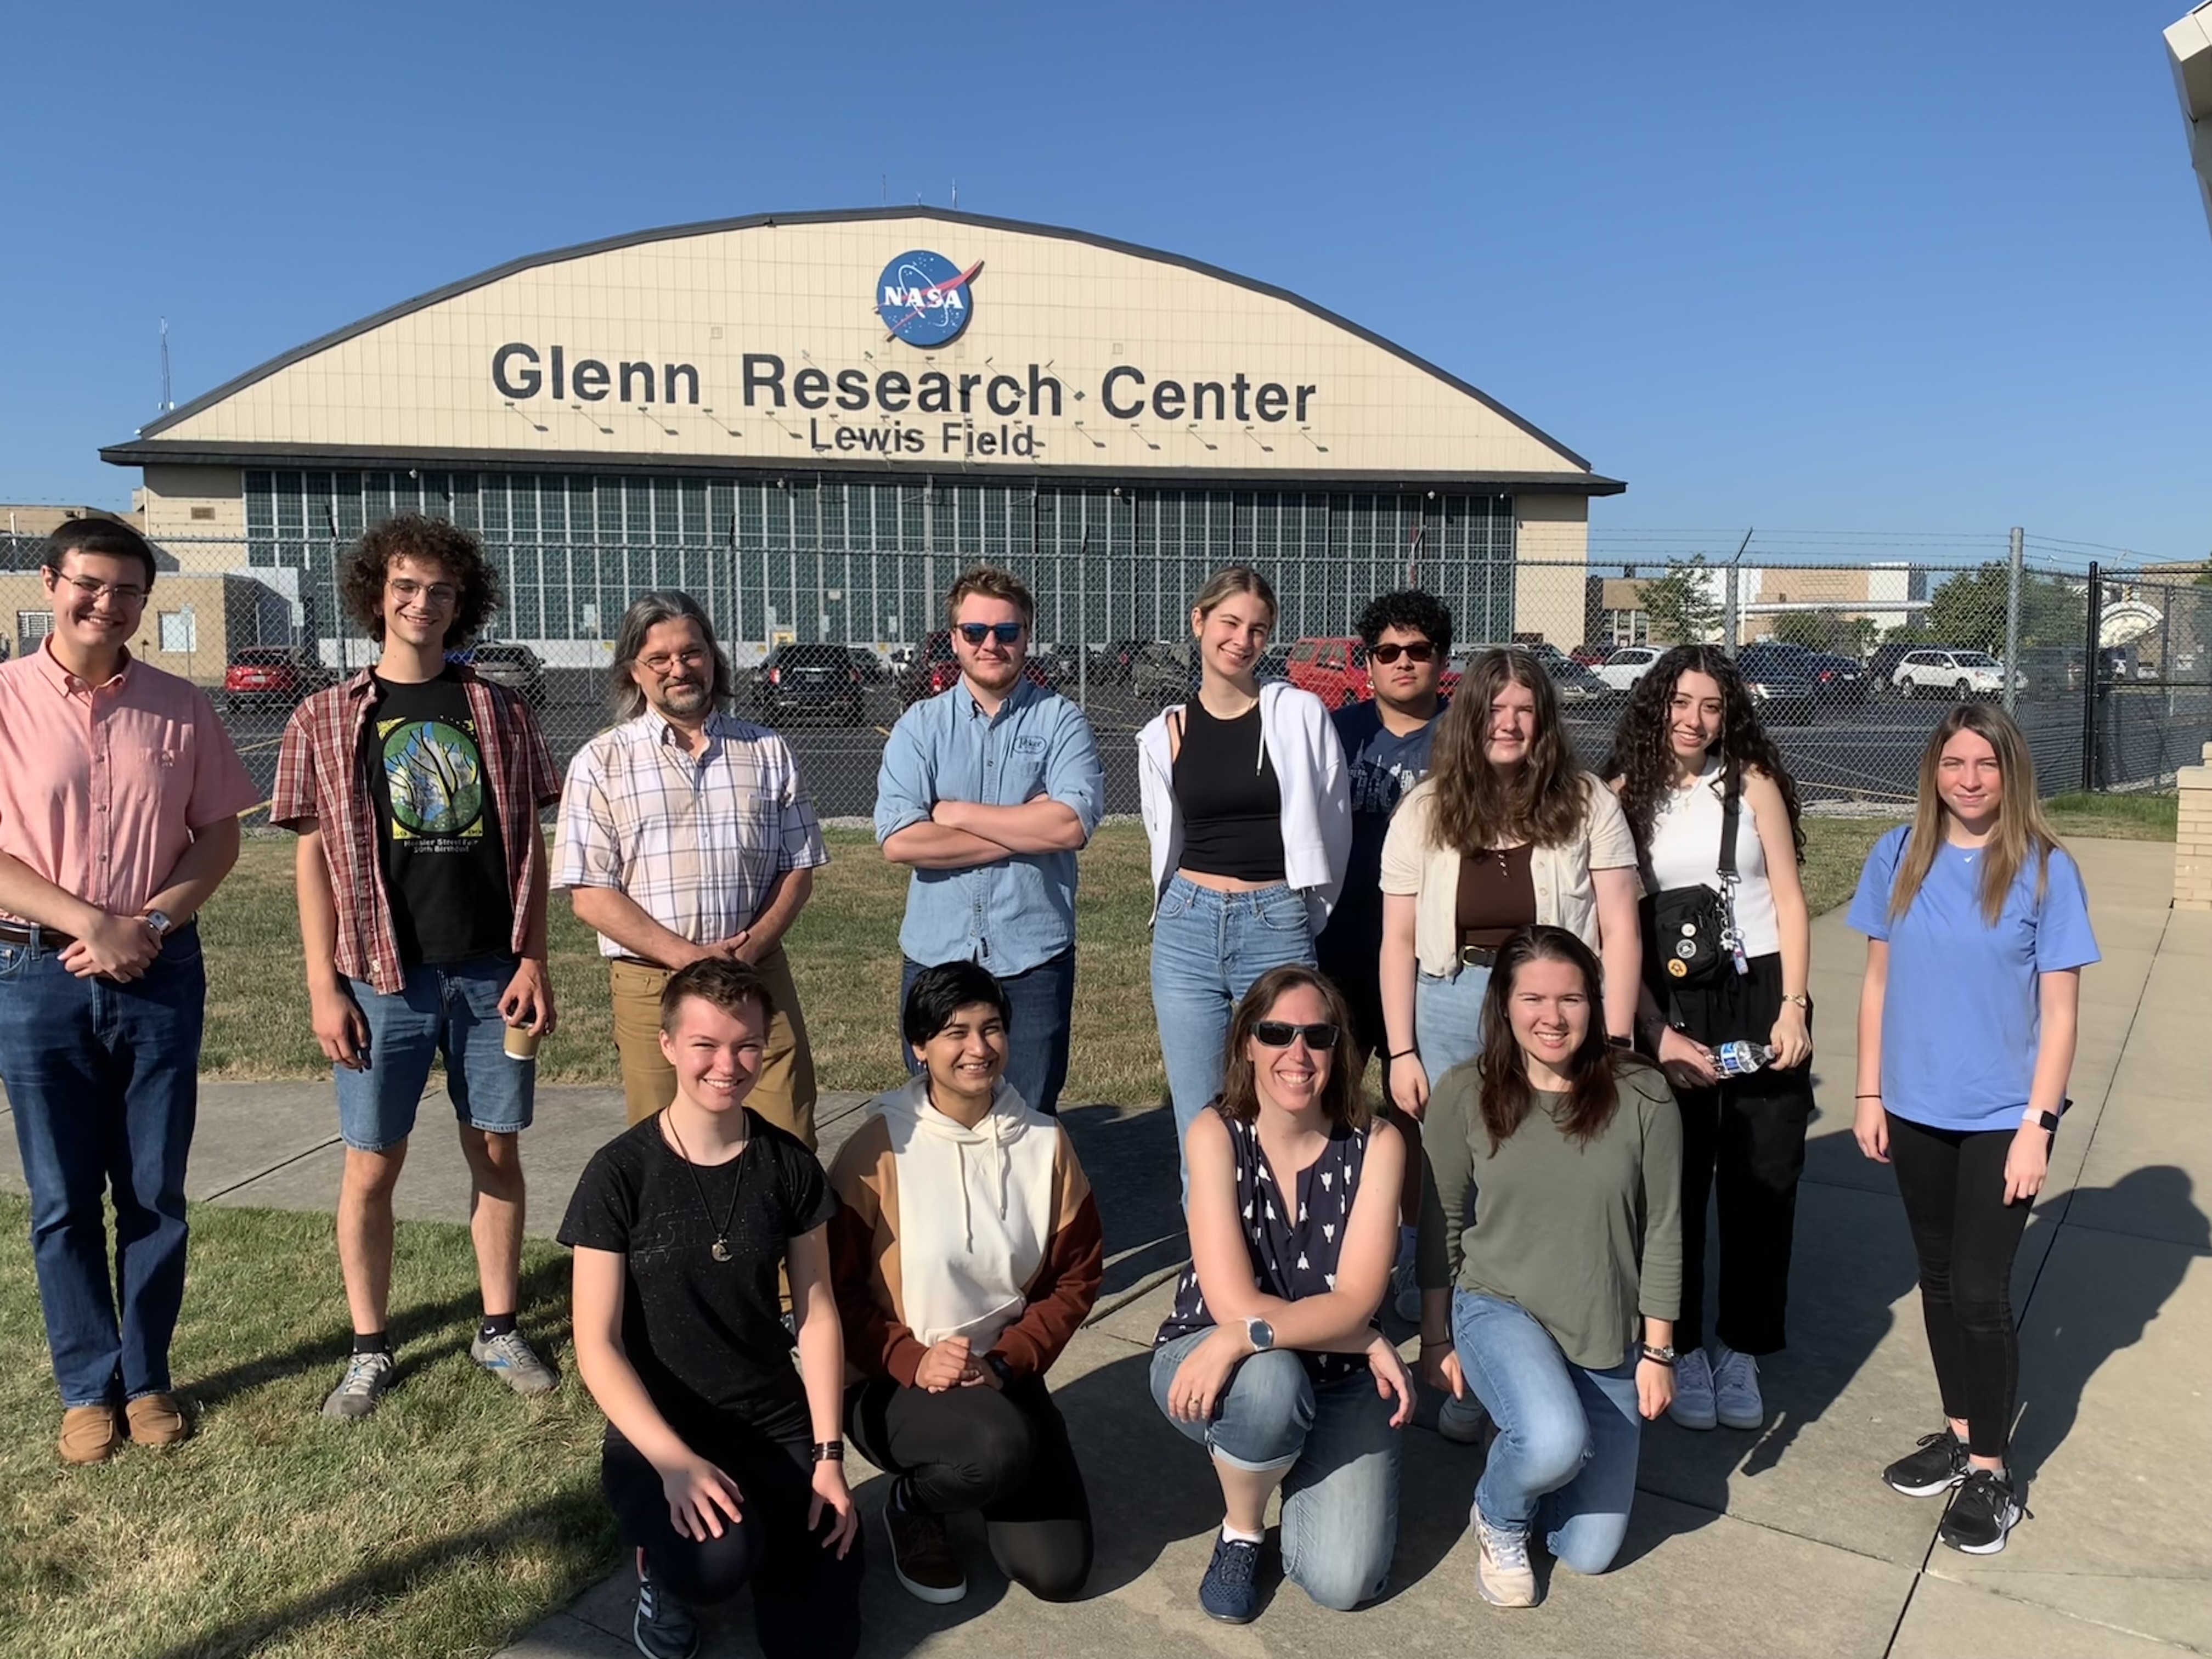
column 925, row 298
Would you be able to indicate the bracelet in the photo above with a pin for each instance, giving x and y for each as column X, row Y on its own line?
column 1876, row 1096
column 1400, row 1055
column 828, row 1451
column 1435, row 1342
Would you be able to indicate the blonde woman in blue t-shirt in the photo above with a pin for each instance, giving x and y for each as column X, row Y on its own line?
column 1977, row 929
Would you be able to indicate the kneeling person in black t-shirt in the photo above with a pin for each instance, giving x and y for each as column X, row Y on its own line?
column 722, row 1466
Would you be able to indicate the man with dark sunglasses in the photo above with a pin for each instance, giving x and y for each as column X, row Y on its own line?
column 1407, row 638
column 986, row 792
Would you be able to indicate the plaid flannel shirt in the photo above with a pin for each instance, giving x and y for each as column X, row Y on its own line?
column 320, row 775
column 696, row 844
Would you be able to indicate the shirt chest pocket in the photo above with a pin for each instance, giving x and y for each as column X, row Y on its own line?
column 1023, row 760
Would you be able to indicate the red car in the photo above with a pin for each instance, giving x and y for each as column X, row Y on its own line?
column 935, row 669
column 271, row 675
column 1335, row 670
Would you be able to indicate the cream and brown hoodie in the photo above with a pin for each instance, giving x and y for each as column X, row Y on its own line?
column 990, row 1233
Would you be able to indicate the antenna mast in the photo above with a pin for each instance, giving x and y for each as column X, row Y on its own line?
column 167, row 404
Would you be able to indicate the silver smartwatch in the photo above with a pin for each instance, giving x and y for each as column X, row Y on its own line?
column 1260, row 1333
column 158, row 923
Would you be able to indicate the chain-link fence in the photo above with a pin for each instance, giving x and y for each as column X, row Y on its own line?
column 1854, row 655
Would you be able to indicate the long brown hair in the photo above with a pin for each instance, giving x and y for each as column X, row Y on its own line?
column 1592, row 1071
column 1544, row 802
column 1341, row 1100
column 1230, row 580
column 2022, row 832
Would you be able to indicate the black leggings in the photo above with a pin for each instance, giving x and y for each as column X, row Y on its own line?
column 807, row 1602
column 1003, row 1453
column 1953, row 1184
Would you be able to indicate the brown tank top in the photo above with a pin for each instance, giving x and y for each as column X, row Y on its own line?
column 1497, row 893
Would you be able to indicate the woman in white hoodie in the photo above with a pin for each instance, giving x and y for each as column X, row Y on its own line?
column 1248, row 808
column 966, row 1254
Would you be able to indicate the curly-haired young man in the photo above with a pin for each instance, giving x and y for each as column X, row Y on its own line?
column 414, row 789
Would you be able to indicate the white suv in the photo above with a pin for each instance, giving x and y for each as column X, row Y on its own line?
column 1959, row 674
column 1627, row 664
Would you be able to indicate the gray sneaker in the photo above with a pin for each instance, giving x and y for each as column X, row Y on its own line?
column 512, row 1359
column 367, row 1376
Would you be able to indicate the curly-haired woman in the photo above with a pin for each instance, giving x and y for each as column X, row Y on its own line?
column 1690, row 762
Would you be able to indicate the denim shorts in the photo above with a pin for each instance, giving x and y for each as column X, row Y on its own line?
column 450, row 1013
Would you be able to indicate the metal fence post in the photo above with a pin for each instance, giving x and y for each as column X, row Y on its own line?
column 2011, row 620
column 2092, row 671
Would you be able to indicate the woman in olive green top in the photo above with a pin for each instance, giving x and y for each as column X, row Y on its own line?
column 1566, row 1282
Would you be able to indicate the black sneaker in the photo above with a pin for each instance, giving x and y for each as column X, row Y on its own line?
column 664, row 1628
column 1938, row 1466
column 1985, row 1509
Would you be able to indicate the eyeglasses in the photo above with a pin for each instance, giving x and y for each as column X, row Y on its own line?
column 1281, row 1034
column 1005, row 633
column 92, row 590
column 1418, row 651
column 661, row 666
column 438, row 593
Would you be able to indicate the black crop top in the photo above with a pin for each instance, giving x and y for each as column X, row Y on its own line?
column 1232, row 804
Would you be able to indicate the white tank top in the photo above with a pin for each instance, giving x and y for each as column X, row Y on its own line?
column 1686, row 852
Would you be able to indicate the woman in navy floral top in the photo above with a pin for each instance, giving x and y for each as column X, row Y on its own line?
column 1272, row 1359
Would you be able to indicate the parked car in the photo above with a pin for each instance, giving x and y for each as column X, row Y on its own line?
column 1166, row 673
column 809, row 679
column 2049, row 670
column 1110, row 665
column 1840, row 679
column 1624, row 665
column 935, row 669
column 1783, row 696
column 516, row 667
column 1274, row 663
column 1333, row 669
column 1834, row 679
column 1958, row 674
column 1590, row 656
column 1574, row 684
column 271, row 675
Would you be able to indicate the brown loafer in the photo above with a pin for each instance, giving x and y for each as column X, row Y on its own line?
column 90, row 1434
column 156, row 1420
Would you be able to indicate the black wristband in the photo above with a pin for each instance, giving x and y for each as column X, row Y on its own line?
column 1400, row 1055
column 828, row 1451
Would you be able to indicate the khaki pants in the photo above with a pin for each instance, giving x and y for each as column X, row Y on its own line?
column 785, row 1093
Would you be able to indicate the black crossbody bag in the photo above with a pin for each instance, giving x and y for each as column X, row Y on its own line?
column 1693, row 928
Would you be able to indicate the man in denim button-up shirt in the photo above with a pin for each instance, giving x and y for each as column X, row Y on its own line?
column 989, row 791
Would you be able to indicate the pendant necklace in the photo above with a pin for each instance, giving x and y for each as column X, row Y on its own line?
column 721, row 1248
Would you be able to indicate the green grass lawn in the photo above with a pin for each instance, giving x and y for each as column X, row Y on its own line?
column 2116, row 817
column 844, row 954
column 446, row 1524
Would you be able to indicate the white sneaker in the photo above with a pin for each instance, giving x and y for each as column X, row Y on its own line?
column 1462, row 1421
column 1692, row 1406
column 1736, row 1389
column 1501, row 1572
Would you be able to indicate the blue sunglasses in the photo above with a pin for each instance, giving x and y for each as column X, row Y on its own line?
column 1005, row 633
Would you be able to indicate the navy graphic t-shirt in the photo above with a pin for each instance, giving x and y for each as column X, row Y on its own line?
column 437, row 833
column 1380, row 767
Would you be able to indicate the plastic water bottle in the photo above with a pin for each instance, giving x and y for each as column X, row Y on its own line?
column 1741, row 1059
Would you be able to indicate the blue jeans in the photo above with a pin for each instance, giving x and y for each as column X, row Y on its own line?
column 104, row 1082
column 1042, row 1002
column 1447, row 1019
column 450, row 1010
column 1340, row 1452
column 1564, row 1458
column 1207, row 948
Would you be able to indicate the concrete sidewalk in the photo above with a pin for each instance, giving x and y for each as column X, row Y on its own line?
column 1785, row 1541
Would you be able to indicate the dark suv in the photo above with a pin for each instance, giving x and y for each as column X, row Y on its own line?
column 517, row 667
column 799, row 680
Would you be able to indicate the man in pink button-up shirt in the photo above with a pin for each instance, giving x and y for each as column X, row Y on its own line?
column 119, row 796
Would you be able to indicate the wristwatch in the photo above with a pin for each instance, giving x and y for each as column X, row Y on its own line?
column 999, row 1369
column 158, row 923
column 1260, row 1333
column 1800, row 998
column 828, row 1451
column 2047, row 1121
column 1661, row 1354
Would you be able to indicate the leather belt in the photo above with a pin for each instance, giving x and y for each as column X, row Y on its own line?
column 1477, row 955
column 639, row 961
column 41, row 938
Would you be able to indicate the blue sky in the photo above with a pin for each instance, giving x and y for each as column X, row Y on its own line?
column 1913, row 268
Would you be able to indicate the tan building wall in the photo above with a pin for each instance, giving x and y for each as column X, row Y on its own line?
column 197, row 513
column 42, row 519
column 26, row 612
column 1552, row 534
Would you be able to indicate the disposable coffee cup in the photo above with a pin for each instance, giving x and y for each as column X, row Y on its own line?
column 521, row 1043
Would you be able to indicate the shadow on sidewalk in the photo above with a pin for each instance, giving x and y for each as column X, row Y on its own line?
column 1131, row 1159
column 2066, row 1341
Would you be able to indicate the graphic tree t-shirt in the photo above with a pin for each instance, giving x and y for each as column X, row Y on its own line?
column 445, row 867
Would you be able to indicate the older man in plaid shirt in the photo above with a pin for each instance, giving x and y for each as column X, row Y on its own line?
column 685, row 834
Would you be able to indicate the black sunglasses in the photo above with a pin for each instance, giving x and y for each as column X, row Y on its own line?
column 1418, row 651
column 1281, row 1034
column 976, row 632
